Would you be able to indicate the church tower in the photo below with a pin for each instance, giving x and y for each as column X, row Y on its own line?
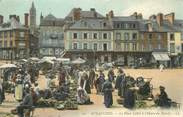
column 32, row 17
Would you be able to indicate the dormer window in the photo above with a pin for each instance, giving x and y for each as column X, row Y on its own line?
column 104, row 24
column 85, row 35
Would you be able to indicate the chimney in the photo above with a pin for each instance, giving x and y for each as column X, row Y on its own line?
column 111, row 14
column 1, row 19
column 92, row 9
column 152, row 17
column 170, row 17
column 159, row 19
column 140, row 16
column 149, row 27
column 26, row 19
column 76, row 14
column 134, row 15
column 18, row 19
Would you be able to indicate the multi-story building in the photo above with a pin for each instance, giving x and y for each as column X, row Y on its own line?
column 90, row 39
column 126, row 33
column 14, row 40
column 51, row 37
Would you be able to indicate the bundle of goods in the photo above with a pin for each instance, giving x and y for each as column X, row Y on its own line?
column 120, row 100
column 46, row 103
column 8, row 87
column 141, row 104
column 70, row 105
column 6, row 115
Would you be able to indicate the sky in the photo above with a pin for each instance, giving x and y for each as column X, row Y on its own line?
column 60, row 8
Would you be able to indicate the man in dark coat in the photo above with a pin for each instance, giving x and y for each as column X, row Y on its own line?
column 27, row 103
column 129, row 98
column 107, row 90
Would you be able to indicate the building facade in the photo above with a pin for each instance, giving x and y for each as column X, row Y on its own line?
column 14, row 40
column 90, row 39
column 51, row 37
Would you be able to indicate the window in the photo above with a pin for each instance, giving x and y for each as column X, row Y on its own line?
column 5, row 34
column 159, row 36
column 134, row 46
column 134, row 36
column 126, row 26
column 150, row 36
column 21, row 34
column 172, row 47
column 126, row 36
column 75, row 46
column 118, row 36
column 122, row 25
column 104, row 24
column 142, row 36
column 85, row 36
column 95, row 46
column 85, row 46
column 95, row 35
column 21, row 44
column 5, row 43
column 150, row 47
column 105, row 47
column 11, row 43
column 105, row 36
column 75, row 35
column 0, row 44
column 11, row 33
column 127, row 47
column 118, row 25
column 159, row 46
column 172, row 38
column 0, row 34
column 142, row 47
column 134, row 25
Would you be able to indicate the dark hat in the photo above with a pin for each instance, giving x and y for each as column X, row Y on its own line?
column 162, row 88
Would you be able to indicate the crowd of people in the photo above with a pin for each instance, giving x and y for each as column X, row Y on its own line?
column 27, row 91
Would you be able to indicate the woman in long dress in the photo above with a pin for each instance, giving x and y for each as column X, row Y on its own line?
column 107, row 90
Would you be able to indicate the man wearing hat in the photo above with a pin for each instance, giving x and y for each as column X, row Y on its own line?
column 27, row 103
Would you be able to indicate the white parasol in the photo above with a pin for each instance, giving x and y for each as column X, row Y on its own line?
column 34, row 59
column 78, row 61
column 8, row 66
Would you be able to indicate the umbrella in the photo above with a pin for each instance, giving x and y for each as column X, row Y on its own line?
column 8, row 66
column 49, row 58
column 78, row 61
column 63, row 60
column 46, row 61
column 34, row 59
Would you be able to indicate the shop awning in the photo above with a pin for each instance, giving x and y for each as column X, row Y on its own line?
column 161, row 56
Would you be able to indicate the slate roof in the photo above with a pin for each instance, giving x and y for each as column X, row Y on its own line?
column 85, row 14
column 91, row 24
column 51, row 20
column 11, row 24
